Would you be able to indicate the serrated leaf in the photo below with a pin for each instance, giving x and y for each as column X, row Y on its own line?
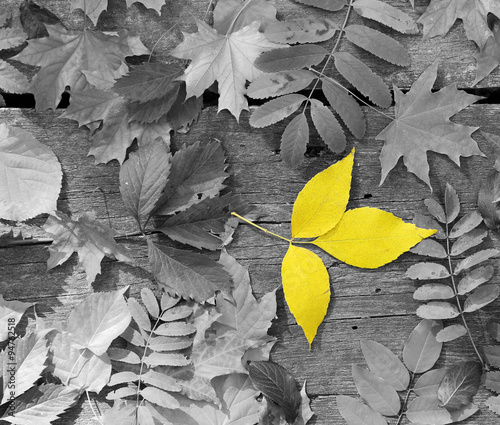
column 122, row 378
column 492, row 381
column 421, row 350
column 10, row 311
column 467, row 223
column 175, row 329
column 79, row 369
column 150, row 302
column 430, row 248
column 369, row 237
column 123, row 392
column 481, row 297
column 184, row 112
column 451, row 333
column 41, row 405
column 159, row 397
column 332, row 5
column 294, row 141
column 475, row 259
column 306, row 285
column 363, row 78
column 279, row 83
column 30, row 173
column 98, row 320
column 161, row 380
column 276, row 110
column 438, row 310
column 203, row 224
column 186, row 273
column 475, row 278
column 348, row 109
column 154, row 110
column 423, row 123
column 492, row 354
column 379, row 395
column 493, row 329
column 301, row 30
column 425, row 410
column 124, row 356
column 305, row 413
column 197, row 172
column 488, row 193
column 167, row 343
column 90, row 239
column 451, row 203
column 459, row 385
column 11, row 37
column 428, row 383
column 64, row 55
column 378, row 44
column 278, row 385
column 319, row 206
column 433, row 291
column 176, row 313
column 435, row 209
column 468, row 241
column 357, row 413
column 295, row 57
column 427, row 222
column 227, row 59
column 165, row 359
column 386, row 14
column 139, row 315
column 328, row 127
column 385, row 364
column 11, row 80
column 427, row 271
column 148, row 81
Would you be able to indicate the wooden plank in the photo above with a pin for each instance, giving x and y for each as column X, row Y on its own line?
column 163, row 33
column 373, row 304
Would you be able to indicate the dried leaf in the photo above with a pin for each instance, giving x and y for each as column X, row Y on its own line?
column 378, row 44
column 475, row 278
column 306, row 285
column 433, row 291
column 186, row 273
column 287, row 59
column 30, row 173
column 279, row 83
column 294, row 141
column 98, row 320
column 386, row 14
column 468, row 241
column 357, row 413
column 438, row 310
column 451, row 333
column 467, row 223
column 459, row 385
column 379, row 395
column 363, row 78
column 328, row 127
column 481, row 297
column 278, row 385
column 90, row 239
column 475, row 259
column 276, row 110
column 422, row 350
column 301, row 30
column 385, row 364
column 422, row 123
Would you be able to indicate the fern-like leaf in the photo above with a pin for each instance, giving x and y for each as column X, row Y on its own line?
column 294, row 141
column 328, row 127
column 387, row 15
column 295, row 57
column 276, row 110
column 279, row 83
column 302, row 30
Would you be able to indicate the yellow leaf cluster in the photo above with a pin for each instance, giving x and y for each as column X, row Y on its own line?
column 362, row 237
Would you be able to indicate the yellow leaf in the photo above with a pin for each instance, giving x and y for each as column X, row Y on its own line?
column 322, row 202
column 369, row 238
column 307, row 288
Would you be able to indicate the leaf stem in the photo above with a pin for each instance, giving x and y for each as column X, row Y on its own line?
column 261, row 228
column 459, row 306
column 233, row 22
column 405, row 401
column 92, row 408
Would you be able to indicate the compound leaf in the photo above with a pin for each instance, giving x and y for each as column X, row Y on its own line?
column 279, row 83
column 301, row 30
column 328, row 127
column 286, row 59
column 294, row 140
column 386, row 14
column 276, row 110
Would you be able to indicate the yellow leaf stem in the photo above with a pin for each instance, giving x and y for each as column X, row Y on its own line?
column 321, row 203
column 306, row 284
column 369, row 238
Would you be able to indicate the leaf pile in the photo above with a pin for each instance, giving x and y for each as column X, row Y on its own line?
column 459, row 238
column 362, row 237
column 11, row 80
column 289, row 70
column 444, row 396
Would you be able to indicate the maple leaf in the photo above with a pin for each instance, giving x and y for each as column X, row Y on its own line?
column 226, row 58
column 64, row 57
column 30, row 173
column 422, row 124
column 362, row 237
column 10, row 310
column 90, row 239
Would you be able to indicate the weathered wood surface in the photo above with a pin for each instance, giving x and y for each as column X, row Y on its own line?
column 454, row 51
column 375, row 304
